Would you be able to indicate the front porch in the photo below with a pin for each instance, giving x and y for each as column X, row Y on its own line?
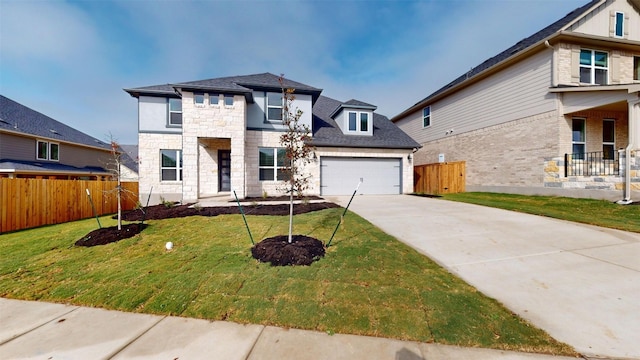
column 599, row 140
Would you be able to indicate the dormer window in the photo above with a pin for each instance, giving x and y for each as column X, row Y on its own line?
column 274, row 107
column 358, row 121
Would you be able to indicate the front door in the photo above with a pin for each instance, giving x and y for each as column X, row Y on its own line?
column 224, row 170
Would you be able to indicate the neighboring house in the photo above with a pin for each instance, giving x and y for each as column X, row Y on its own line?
column 129, row 169
column 557, row 113
column 33, row 145
column 202, row 138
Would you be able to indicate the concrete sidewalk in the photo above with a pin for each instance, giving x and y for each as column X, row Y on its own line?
column 38, row 330
column 580, row 283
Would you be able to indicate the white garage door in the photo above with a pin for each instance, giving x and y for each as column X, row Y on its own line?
column 340, row 176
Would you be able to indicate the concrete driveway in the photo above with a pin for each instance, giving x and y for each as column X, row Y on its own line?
column 579, row 283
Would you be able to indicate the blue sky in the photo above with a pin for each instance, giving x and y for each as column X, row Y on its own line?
column 71, row 59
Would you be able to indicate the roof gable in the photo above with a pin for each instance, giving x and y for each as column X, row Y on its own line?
column 17, row 118
column 513, row 51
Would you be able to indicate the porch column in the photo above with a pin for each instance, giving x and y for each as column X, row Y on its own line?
column 634, row 123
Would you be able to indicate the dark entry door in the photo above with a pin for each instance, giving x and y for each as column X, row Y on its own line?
column 224, row 170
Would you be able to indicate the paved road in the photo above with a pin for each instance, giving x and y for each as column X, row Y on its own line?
column 579, row 283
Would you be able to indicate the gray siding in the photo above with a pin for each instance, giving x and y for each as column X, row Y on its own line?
column 153, row 115
column 17, row 147
column 23, row 148
column 256, row 111
column 517, row 92
column 81, row 157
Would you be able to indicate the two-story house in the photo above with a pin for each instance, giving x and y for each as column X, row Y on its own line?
column 33, row 145
column 202, row 138
column 557, row 113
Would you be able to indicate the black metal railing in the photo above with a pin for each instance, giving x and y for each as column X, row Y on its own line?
column 598, row 163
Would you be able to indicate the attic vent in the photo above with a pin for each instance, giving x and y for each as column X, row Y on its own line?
column 54, row 132
column 3, row 121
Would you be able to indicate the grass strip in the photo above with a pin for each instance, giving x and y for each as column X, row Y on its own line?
column 368, row 283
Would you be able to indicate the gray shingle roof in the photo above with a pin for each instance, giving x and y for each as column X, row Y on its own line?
column 130, row 156
column 16, row 117
column 515, row 49
column 45, row 166
column 243, row 84
column 326, row 132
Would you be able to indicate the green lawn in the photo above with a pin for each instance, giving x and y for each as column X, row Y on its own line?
column 368, row 283
column 586, row 211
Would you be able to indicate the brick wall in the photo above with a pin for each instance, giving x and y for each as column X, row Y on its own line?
column 509, row 154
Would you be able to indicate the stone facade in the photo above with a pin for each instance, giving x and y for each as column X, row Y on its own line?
column 149, row 146
column 202, row 124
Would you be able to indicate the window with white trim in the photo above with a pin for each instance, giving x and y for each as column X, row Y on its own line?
column 47, row 150
column 198, row 99
column 171, row 165
column 594, row 67
column 426, row 117
column 608, row 139
column 274, row 106
column 358, row 121
column 578, row 137
column 272, row 164
column 175, row 112
column 619, row 25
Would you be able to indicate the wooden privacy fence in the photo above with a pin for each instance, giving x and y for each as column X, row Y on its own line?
column 440, row 178
column 27, row 203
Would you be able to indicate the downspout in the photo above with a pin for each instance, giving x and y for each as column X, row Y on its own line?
column 554, row 73
column 627, row 153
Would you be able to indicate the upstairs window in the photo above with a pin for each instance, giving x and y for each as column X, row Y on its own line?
column 175, row 112
column 171, row 165
column 358, row 121
column 274, row 107
column 619, row 24
column 636, row 68
column 272, row 164
column 228, row 100
column 594, row 67
column 364, row 122
column 214, row 99
column 198, row 99
column 47, row 151
column 426, row 117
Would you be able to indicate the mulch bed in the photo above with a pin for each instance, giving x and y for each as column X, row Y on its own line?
column 295, row 254
column 111, row 234
column 158, row 212
column 277, row 250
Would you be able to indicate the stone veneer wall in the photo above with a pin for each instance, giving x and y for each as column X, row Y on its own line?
column 509, row 154
column 568, row 57
column 149, row 146
column 212, row 121
column 554, row 175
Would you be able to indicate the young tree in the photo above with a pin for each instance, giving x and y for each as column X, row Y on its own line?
column 295, row 140
column 115, row 168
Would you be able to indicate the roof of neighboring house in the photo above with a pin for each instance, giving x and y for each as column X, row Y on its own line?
column 243, row 84
column 45, row 166
column 510, row 52
column 327, row 133
column 130, row 156
column 18, row 118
